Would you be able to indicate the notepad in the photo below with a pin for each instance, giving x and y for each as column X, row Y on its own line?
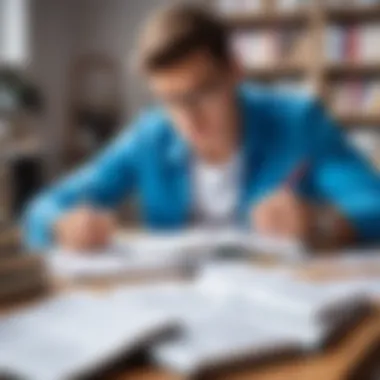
column 73, row 335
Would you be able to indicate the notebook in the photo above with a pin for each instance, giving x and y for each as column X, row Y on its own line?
column 74, row 335
column 256, row 313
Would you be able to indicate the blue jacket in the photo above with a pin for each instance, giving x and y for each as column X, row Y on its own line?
column 279, row 131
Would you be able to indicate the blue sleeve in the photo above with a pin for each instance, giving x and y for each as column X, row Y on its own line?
column 343, row 177
column 104, row 182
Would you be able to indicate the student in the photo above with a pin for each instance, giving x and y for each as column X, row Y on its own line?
column 215, row 151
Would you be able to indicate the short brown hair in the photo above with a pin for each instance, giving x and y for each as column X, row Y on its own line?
column 171, row 34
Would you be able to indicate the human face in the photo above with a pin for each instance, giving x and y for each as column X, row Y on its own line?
column 199, row 94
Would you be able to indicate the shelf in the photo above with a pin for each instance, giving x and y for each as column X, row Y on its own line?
column 267, row 73
column 27, row 147
column 359, row 120
column 265, row 19
column 353, row 14
column 353, row 69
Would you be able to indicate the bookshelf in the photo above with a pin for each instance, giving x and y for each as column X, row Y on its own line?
column 315, row 19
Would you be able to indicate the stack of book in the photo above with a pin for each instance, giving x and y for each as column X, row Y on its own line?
column 353, row 43
column 20, row 274
column 356, row 97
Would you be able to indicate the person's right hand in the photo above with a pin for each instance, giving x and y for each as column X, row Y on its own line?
column 84, row 229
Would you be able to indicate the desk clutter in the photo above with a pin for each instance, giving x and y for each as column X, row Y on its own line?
column 230, row 310
column 20, row 274
column 160, row 254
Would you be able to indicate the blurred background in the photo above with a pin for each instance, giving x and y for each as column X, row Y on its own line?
column 66, row 83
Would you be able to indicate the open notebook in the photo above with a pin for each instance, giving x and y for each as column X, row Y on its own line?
column 74, row 335
column 255, row 314
column 157, row 254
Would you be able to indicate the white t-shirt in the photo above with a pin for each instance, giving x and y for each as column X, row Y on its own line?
column 216, row 192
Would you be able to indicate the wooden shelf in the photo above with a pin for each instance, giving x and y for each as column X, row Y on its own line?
column 359, row 120
column 264, row 19
column 315, row 21
column 353, row 69
column 353, row 13
column 268, row 73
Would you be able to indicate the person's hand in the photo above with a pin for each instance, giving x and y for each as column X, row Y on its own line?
column 283, row 214
column 84, row 229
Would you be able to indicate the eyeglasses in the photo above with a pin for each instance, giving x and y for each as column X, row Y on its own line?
column 200, row 98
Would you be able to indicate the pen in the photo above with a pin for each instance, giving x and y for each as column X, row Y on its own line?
column 296, row 176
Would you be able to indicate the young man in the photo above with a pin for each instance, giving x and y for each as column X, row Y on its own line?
column 215, row 151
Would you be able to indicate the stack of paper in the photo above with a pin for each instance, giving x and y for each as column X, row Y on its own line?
column 169, row 254
column 73, row 335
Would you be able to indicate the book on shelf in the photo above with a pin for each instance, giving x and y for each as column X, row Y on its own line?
column 356, row 43
column 241, row 7
column 356, row 97
column 271, row 47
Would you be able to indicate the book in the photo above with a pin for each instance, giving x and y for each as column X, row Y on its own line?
column 270, row 47
column 76, row 334
column 255, row 314
column 355, row 97
column 354, row 43
column 22, row 276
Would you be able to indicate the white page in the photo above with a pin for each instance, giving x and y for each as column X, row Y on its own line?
column 167, row 253
column 276, row 286
column 229, row 332
column 253, row 315
column 113, row 261
column 74, row 334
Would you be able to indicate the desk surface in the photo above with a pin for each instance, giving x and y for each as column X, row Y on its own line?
column 339, row 361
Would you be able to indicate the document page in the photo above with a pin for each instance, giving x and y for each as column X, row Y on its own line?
column 73, row 334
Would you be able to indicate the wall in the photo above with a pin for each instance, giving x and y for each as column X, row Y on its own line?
column 64, row 29
column 111, row 27
column 53, row 30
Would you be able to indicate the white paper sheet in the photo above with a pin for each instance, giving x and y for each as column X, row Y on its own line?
column 162, row 253
column 73, row 334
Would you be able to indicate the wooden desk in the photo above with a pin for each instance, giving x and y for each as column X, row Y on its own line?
column 346, row 359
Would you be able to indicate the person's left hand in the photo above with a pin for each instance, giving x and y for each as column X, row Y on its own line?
column 283, row 214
